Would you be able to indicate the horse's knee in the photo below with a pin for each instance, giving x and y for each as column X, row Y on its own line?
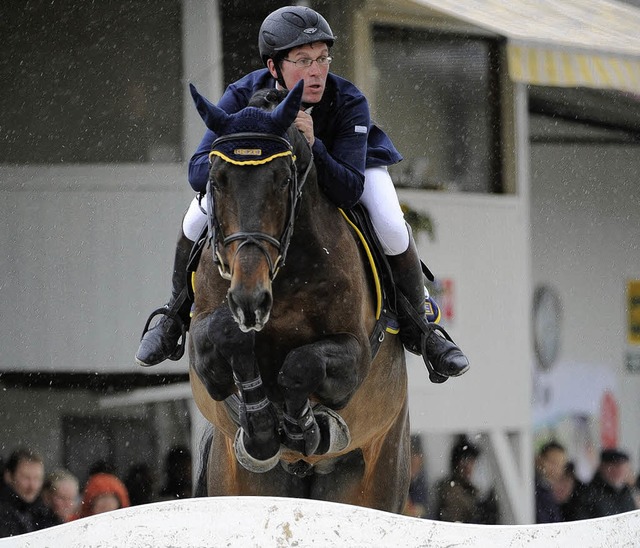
column 219, row 385
column 302, row 370
column 213, row 339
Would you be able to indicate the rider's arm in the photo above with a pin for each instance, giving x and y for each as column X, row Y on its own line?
column 341, row 169
column 199, row 163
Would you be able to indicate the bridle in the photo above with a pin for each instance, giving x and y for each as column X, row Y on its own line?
column 261, row 240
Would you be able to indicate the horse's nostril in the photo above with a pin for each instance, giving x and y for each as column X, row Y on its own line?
column 264, row 304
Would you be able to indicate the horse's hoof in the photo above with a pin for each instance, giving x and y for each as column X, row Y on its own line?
column 334, row 432
column 249, row 462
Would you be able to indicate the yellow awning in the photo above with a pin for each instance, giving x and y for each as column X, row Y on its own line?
column 567, row 43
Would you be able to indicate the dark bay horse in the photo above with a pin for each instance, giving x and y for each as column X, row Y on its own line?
column 281, row 327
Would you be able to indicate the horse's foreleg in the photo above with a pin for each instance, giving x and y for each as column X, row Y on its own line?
column 329, row 369
column 225, row 353
column 258, row 436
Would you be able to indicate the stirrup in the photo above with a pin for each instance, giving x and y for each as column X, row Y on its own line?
column 434, row 376
column 455, row 364
column 427, row 329
column 164, row 311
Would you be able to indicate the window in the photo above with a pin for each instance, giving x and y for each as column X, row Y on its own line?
column 240, row 22
column 436, row 95
column 90, row 81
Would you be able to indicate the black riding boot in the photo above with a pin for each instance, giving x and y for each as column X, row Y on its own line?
column 440, row 354
column 166, row 339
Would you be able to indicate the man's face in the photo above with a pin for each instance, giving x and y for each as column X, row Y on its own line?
column 27, row 480
column 554, row 463
column 615, row 473
column 315, row 76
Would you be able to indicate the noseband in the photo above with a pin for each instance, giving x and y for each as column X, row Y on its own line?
column 258, row 239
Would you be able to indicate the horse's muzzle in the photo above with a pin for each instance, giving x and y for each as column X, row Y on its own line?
column 250, row 309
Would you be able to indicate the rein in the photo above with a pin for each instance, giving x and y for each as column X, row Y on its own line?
column 217, row 237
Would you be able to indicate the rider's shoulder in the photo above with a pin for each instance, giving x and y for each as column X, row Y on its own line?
column 345, row 90
column 257, row 79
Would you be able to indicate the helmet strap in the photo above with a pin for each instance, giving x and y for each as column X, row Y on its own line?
column 277, row 63
column 280, row 78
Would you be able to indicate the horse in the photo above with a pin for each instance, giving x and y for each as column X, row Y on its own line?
column 281, row 326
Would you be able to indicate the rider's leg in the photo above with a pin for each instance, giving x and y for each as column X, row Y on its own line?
column 381, row 201
column 161, row 341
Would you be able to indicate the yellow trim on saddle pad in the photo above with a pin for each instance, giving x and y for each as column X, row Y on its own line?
column 250, row 162
column 372, row 264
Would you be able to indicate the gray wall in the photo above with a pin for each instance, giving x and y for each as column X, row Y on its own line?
column 585, row 203
column 87, row 255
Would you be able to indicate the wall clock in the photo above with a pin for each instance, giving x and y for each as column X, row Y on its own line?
column 547, row 316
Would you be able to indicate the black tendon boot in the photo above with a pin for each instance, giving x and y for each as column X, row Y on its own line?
column 440, row 354
column 166, row 340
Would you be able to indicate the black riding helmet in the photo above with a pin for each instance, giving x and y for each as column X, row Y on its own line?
column 290, row 27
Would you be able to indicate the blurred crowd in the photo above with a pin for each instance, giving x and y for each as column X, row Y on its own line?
column 454, row 497
column 31, row 499
column 559, row 494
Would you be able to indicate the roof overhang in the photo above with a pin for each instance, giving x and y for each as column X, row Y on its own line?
column 565, row 43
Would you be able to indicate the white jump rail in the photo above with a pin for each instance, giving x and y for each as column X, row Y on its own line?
column 283, row 522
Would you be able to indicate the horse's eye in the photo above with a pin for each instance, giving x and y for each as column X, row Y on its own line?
column 216, row 180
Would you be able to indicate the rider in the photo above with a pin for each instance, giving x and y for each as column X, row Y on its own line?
column 351, row 155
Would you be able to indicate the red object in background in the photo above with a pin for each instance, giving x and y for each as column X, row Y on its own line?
column 446, row 299
column 608, row 421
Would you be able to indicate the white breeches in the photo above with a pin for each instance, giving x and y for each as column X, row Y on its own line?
column 379, row 197
column 195, row 219
column 381, row 201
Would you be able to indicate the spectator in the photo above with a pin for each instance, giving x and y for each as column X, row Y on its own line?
column 634, row 483
column 551, row 462
column 608, row 493
column 456, row 497
column 178, row 480
column 140, row 484
column 21, row 508
column 417, row 500
column 103, row 493
column 568, row 492
column 61, row 494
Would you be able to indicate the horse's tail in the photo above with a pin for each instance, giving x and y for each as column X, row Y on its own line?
column 200, row 488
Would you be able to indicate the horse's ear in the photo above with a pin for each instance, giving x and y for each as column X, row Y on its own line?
column 214, row 117
column 286, row 112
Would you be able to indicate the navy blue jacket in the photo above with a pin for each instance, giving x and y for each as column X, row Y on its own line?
column 346, row 141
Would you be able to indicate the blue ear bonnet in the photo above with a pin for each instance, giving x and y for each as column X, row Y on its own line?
column 252, row 135
column 251, row 148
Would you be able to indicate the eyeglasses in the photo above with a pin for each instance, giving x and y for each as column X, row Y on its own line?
column 323, row 61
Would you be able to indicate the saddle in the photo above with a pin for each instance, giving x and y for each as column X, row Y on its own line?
column 388, row 296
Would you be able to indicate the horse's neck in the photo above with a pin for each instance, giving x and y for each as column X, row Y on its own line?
column 318, row 218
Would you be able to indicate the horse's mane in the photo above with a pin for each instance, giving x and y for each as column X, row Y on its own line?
column 267, row 98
